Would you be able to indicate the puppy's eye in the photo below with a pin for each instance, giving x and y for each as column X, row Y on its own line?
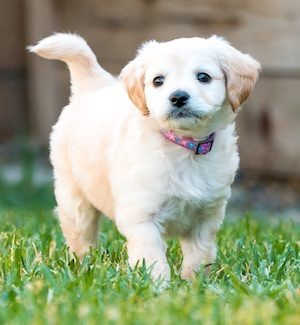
column 203, row 77
column 158, row 81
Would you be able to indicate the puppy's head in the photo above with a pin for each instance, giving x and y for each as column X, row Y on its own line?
column 187, row 84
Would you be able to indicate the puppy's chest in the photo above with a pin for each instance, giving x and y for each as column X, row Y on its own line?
column 177, row 216
column 192, row 189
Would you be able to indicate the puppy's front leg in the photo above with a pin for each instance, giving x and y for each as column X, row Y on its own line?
column 196, row 252
column 200, row 248
column 144, row 242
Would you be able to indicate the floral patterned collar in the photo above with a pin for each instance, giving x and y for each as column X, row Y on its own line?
column 200, row 147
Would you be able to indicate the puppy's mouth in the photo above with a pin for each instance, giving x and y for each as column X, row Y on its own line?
column 185, row 112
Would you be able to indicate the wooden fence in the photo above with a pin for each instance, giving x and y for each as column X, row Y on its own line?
column 33, row 90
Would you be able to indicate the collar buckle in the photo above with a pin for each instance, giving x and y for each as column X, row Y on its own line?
column 204, row 147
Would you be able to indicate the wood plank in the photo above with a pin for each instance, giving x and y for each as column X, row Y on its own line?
column 269, row 29
column 269, row 129
column 43, row 79
column 13, row 119
column 11, row 35
column 12, row 69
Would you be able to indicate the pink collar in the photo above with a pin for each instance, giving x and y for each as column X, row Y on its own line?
column 200, row 147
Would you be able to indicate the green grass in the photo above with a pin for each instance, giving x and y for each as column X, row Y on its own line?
column 255, row 280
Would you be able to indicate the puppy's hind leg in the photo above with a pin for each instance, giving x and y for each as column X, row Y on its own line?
column 78, row 218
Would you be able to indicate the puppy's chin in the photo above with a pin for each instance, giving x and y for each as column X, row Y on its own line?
column 184, row 123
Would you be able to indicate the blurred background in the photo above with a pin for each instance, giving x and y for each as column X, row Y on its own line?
column 33, row 90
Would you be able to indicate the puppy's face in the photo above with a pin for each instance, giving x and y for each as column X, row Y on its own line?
column 187, row 84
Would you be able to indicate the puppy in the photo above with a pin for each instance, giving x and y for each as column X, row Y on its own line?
column 155, row 149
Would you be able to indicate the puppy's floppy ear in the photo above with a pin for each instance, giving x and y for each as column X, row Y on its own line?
column 241, row 72
column 132, row 76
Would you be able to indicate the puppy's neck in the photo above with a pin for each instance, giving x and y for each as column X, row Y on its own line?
column 198, row 146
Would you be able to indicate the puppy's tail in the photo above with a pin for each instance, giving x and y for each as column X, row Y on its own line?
column 85, row 71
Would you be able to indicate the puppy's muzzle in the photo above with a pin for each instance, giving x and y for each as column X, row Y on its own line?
column 180, row 106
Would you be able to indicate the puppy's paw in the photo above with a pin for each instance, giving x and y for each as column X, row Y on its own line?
column 187, row 274
column 160, row 271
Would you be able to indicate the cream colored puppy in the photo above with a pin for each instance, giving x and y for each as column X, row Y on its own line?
column 155, row 149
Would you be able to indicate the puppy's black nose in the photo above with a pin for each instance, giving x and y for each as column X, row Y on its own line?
column 179, row 98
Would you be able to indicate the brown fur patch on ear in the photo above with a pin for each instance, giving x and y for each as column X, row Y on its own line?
column 132, row 76
column 241, row 80
column 241, row 72
column 137, row 95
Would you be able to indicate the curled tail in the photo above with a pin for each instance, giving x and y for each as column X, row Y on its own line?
column 85, row 71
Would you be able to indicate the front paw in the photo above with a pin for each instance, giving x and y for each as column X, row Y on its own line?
column 159, row 270
column 189, row 273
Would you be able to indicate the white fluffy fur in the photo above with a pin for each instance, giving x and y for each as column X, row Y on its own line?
column 108, row 157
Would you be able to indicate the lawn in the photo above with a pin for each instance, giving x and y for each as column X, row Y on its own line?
column 255, row 280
